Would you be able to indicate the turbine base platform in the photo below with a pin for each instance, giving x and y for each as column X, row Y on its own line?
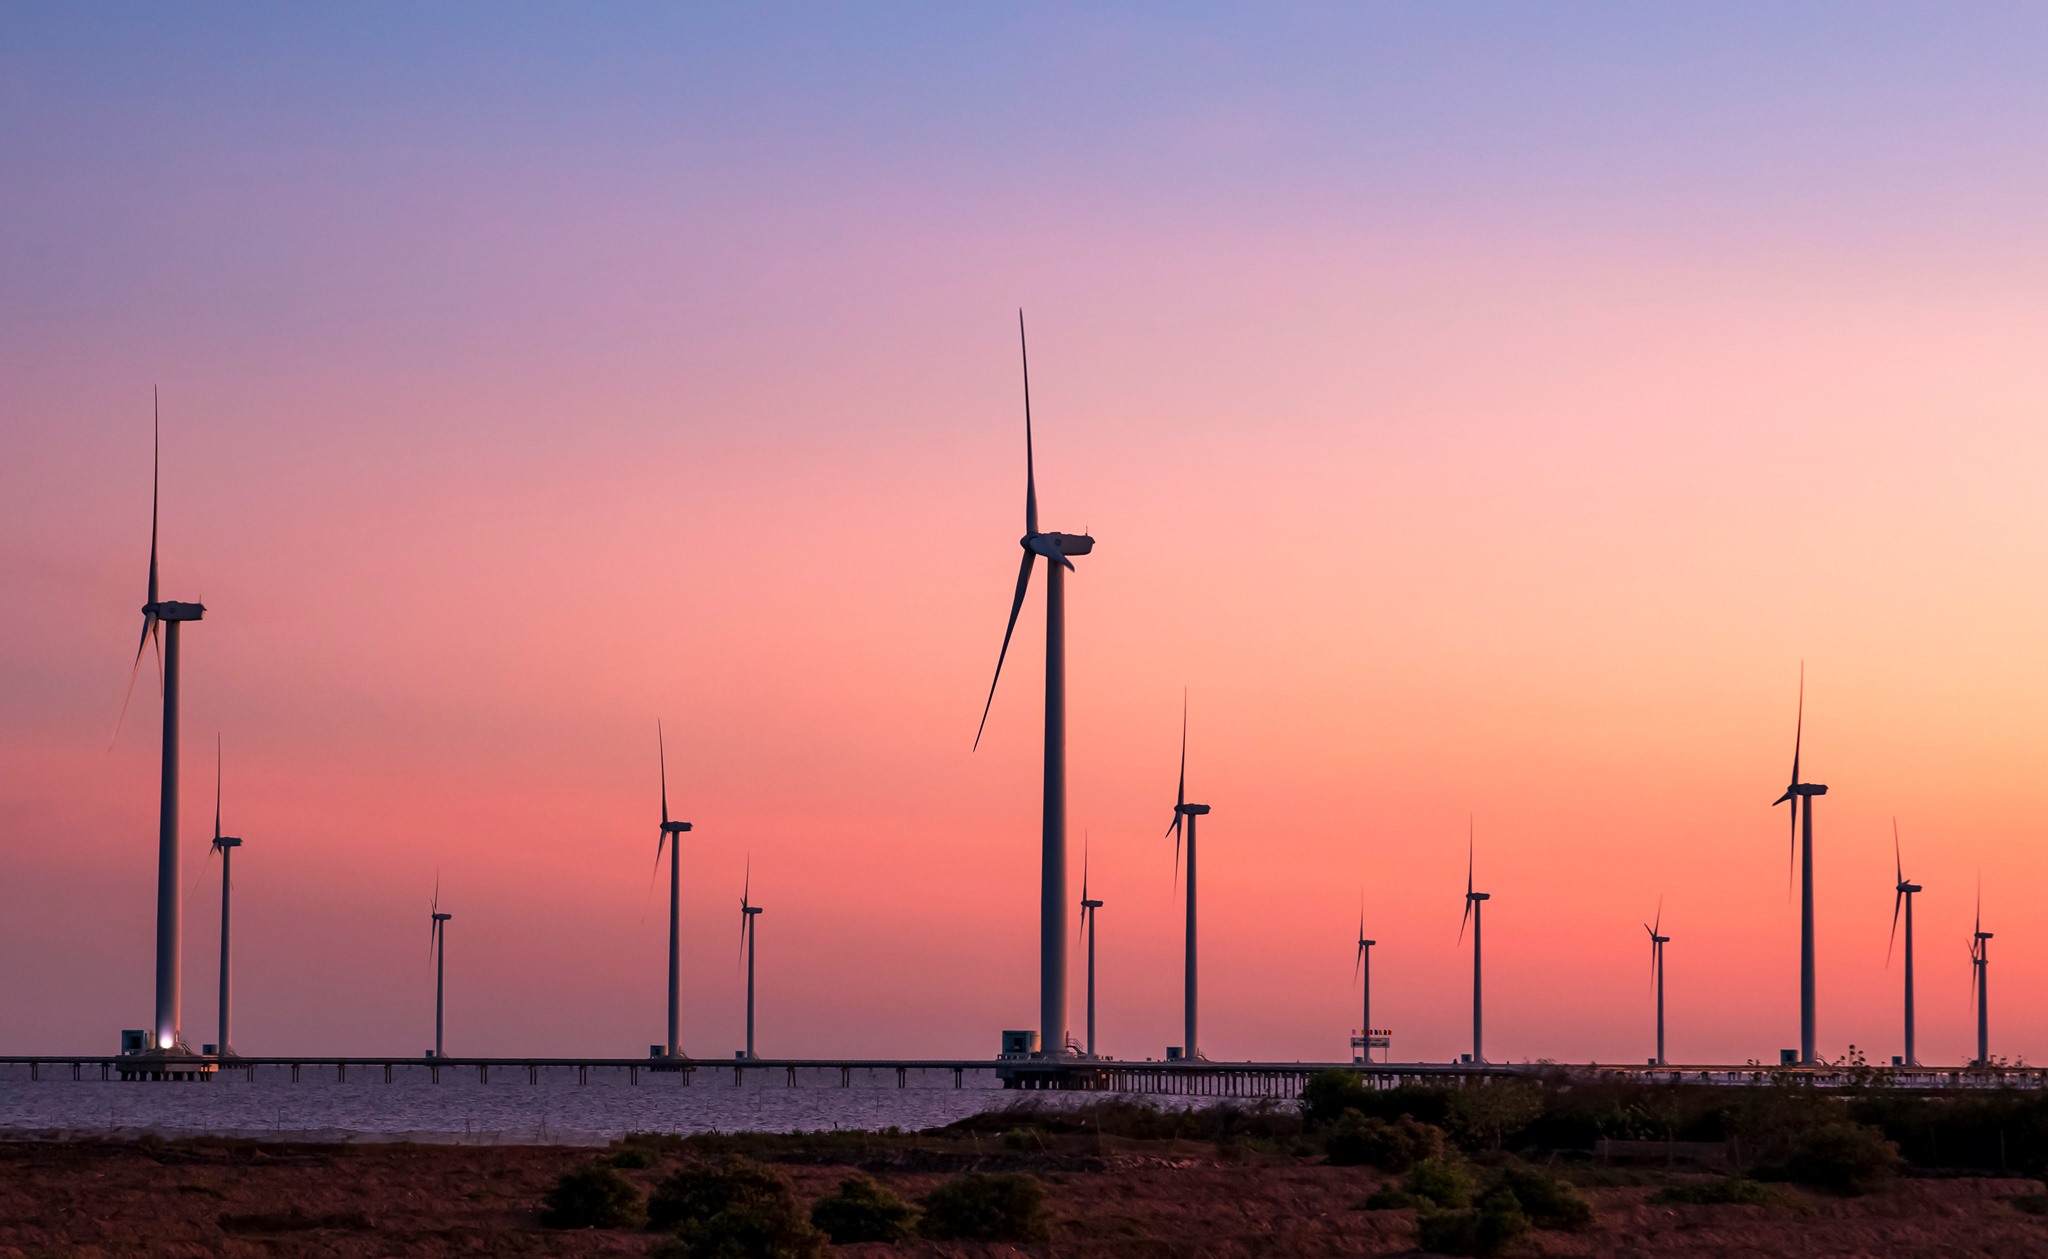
column 1066, row 1074
column 166, row 1066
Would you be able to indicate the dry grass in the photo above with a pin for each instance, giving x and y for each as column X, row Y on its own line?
column 1169, row 1199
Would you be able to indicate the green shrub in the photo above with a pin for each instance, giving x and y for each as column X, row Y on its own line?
column 1549, row 1202
column 1722, row 1191
column 693, row 1194
column 633, row 1157
column 594, row 1196
column 1839, row 1157
column 1484, row 1230
column 1485, row 1114
column 1329, row 1093
column 1442, row 1182
column 2031, row 1203
column 864, row 1211
column 998, row 1207
column 1390, row 1198
column 1363, row 1141
column 750, row 1228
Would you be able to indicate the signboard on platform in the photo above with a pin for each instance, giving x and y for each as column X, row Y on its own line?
column 1363, row 1044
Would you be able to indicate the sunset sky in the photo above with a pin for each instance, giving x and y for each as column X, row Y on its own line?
column 1480, row 411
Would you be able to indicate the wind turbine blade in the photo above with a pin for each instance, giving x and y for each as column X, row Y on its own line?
column 1084, row 865
column 661, row 750
column 1358, row 958
column 1030, row 473
column 1898, row 898
column 216, row 789
column 1180, row 792
column 1016, row 606
column 1466, row 919
column 1660, row 917
column 1470, row 833
column 1898, row 862
column 1799, row 726
column 155, row 464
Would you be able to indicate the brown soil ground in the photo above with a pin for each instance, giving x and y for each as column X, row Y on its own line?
column 184, row 1199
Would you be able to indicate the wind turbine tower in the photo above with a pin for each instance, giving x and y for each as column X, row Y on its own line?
column 1088, row 908
column 1361, row 969
column 1185, row 813
column 225, row 845
column 1657, row 943
column 1980, row 979
column 1474, row 902
column 671, row 839
column 1056, row 548
column 160, row 621
column 1800, row 796
column 1902, row 898
column 437, row 945
column 749, row 933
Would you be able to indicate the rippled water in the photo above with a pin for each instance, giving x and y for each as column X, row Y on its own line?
column 508, row 1109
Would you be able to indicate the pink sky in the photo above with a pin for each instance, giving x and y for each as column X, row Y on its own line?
column 485, row 458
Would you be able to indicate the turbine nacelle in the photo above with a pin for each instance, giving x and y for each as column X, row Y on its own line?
column 1191, row 810
column 173, row 610
column 1091, row 904
column 1801, row 789
column 675, row 828
column 1479, row 896
column 442, row 917
column 1057, row 546
column 1906, row 889
column 226, row 841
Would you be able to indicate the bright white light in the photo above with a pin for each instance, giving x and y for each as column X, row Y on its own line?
column 163, row 1042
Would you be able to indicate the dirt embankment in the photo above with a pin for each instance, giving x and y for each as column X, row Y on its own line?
column 208, row 1198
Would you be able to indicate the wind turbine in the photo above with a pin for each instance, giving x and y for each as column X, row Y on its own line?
column 437, row 948
column 165, row 615
column 1361, row 969
column 1800, row 795
column 1657, row 943
column 1980, row 980
column 1902, row 897
column 225, row 845
column 671, row 839
column 1052, row 897
column 749, row 934
column 1183, row 812
column 1474, row 902
column 1088, row 908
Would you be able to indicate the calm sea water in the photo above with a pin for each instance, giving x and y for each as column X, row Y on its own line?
column 508, row 1109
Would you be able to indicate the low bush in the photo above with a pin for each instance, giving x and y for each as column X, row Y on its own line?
column 1549, row 1202
column 1721, row 1191
column 594, row 1196
column 1840, row 1157
column 1482, row 1230
column 1363, row 1141
column 980, row 1206
column 1441, row 1182
column 864, row 1211
column 1389, row 1198
column 634, row 1157
column 2031, row 1203
column 750, row 1228
column 695, row 1193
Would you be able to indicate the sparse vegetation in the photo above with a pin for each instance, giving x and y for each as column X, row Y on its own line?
column 981, row 1206
column 593, row 1196
column 1720, row 1191
column 864, row 1211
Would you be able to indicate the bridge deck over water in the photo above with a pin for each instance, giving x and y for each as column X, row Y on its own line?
column 1186, row 1078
